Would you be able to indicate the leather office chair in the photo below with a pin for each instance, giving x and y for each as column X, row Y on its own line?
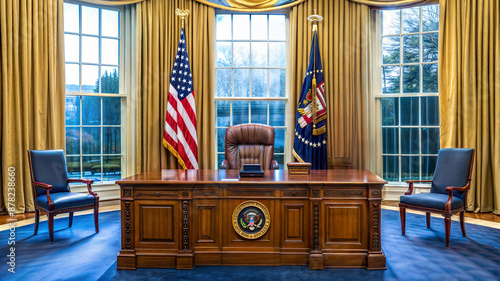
column 249, row 144
column 50, row 182
column 449, row 186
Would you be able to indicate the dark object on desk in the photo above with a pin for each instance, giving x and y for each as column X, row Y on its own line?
column 49, row 179
column 449, row 187
column 299, row 168
column 249, row 144
column 251, row 170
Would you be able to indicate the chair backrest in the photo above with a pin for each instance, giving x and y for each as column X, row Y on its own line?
column 249, row 144
column 48, row 166
column 453, row 168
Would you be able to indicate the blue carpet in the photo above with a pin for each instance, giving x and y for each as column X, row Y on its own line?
column 80, row 254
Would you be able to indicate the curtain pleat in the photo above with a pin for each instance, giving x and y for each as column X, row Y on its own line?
column 160, row 37
column 32, row 91
column 469, row 92
column 343, row 37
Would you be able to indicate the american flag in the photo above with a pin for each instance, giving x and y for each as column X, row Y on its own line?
column 180, row 136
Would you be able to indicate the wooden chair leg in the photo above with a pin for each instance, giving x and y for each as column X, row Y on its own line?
column 70, row 219
column 51, row 226
column 402, row 214
column 96, row 219
column 428, row 218
column 37, row 221
column 447, row 226
column 462, row 223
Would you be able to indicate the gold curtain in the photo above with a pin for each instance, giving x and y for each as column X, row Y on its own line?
column 33, row 94
column 395, row 4
column 343, row 36
column 469, row 91
column 110, row 2
column 160, row 33
column 250, row 6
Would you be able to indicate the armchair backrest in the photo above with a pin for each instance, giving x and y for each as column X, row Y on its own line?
column 249, row 144
column 453, row 168
column 48, row 166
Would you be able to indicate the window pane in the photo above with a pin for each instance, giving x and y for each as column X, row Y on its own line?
column 277, row 79
column 411, row 47
column 430, row 78
column 240, row 112
column 91, row 114
column 220, row 158
column 90, row 79
column 259, row 54
column 390, row 140
column 90, row 49
column 409, row 111
column 241, row 27
column 409, row 141
column 391, row 168
column 277, row 27
column 409, row 168
column 72, row 110
column 430, row 111
column 72, row 140
column 71, row 48
column 428, row 167
column 223, row 114
column 411, row 79
column 390, row 112
column 258, row 110
column 430, row 47
column 259, row 27
column 280, row 158
column 223, row 25
column 390, row 79
column 277, row 113
column 110, row 23
column 259, row 82
column 430, row 140
column 279, row 141
column 277, row 53
column 224, row 54
column 242, row 82
column 111, row 143
column 411, row 20
column 224, row 82
column 91, row 166
column 72, row 77
column 111, row 168
column 390, row 49
column 90, row 20
column 241, row 54
column 430, row 18
column 73, row 166
column 110, row 51
column 111, row 111
column 390, row 22
column 110, row 80
column 71, row 18
column 91, row 140
column 221, row 135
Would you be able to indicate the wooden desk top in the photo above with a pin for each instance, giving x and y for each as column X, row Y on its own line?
column 272, row 177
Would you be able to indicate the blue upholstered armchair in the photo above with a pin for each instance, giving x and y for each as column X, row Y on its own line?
column 449, row 186
column 50, row 182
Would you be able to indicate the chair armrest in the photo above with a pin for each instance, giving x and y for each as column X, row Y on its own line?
column 410, row 185
column 275, row 165
column 223, row 165
column 42, row 185
column 88, row 182
column 450, row 190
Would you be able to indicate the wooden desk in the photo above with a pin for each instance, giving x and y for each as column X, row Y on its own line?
column 179, row 219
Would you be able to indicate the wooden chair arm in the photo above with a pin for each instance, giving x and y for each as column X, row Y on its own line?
column 42, row 185
column 88, row 182
column 450, row 190
column 410, row 185
column 413, row 181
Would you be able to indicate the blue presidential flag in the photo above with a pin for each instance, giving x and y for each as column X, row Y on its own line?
column 310, row 128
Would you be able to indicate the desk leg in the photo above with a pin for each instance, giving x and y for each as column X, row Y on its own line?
column 126, row 258
column 185, row 258
column 376, row 257
column 316, row 259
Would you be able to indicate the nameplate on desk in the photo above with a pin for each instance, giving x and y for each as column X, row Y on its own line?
column 230, row 179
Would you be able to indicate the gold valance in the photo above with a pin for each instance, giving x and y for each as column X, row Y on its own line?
column 250, row 5
column 395, row 4
column 110, row 2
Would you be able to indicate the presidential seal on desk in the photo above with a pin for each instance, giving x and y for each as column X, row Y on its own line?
column 251, row 219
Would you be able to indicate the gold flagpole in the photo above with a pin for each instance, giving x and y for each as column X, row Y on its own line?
column 182, row 14
column 315, row 19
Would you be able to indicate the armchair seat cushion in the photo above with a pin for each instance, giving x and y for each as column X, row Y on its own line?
column 64, row 200
column 431, row 200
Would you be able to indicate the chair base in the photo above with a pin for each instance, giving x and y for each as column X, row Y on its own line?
column 445, row 214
